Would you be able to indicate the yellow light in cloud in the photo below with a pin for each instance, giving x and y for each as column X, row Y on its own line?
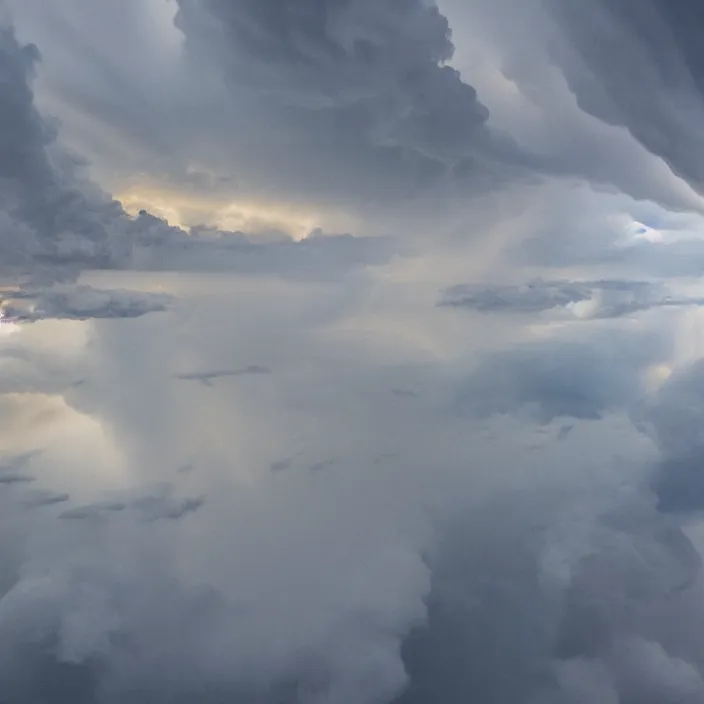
column 156, row 203
column 249, row 216
column 656, row 376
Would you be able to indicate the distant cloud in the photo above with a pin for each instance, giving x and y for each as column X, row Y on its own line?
column 160, row 508
column 92, row 510
column 608, row 298
column 7, row 478
column 207, row 378
column 44, row 498
column 160, row 247
column 86, row 303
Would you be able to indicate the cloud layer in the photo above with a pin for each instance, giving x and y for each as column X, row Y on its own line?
column 599, row 299
column 293, row 459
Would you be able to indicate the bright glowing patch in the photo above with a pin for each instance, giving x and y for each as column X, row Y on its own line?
column 640, row 231
column 7, row 325
column 656, row 376
column 251, row 217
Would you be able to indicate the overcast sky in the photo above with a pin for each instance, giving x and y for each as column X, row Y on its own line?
column 351, row 352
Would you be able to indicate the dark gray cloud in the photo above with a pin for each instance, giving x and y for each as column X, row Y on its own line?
column 159, row 508
column 534, row 297
column 207, row 378
column 640, row 65
column 9, row 479
column 377, row 67
column 398, row 120
column 96, row 510
column 331, row 102
column 49, row 215
column 85, row 303
column 42, row 498
column 610, row 298
column 54, row 222
column 13, row 464
column 506, row 627
column 364, row 86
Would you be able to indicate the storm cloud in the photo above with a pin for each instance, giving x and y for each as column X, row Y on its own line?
column 364, row 82
column 640, row 66
column 364, row 363
column 377, row 68
column 49, row 214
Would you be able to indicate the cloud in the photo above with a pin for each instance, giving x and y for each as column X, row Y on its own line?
column 579, row 378
column 206, row 378
column 48, row 214
column 155, row 508
column 639, row 66
column 45, row 498
column 9, row 479
column 56, row 222
column 673, row 419
column 345, row 113
column 393, row 502
column 384, row 137
column 606, row 298
column 331, row 585
column 80, row 513
column 607, row 235
column 376, row 68
column 600, row 596
column 87, row 303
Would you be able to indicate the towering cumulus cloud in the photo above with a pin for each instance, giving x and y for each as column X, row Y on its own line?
column 377, row 379
column 48, row 214
column 378, row 67
column 367, row 82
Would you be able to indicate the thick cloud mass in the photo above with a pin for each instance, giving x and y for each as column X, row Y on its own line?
column 249, row 460
column 361, row 92
column 641, row 65
column 46, row 213
column 378, row 68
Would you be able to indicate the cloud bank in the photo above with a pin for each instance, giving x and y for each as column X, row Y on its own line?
column 326, row 472
column 600, row 299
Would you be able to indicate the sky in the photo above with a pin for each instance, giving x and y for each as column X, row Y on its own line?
column 351, row 352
